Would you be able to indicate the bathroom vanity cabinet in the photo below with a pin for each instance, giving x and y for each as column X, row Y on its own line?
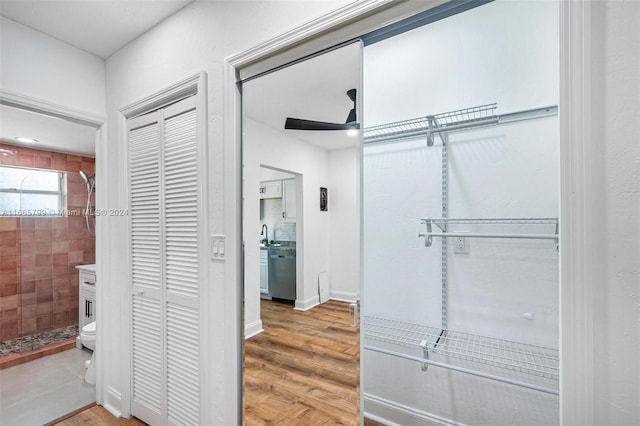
column 87, row 297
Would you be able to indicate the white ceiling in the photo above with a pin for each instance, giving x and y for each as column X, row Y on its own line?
column 100, row 27
column 315, row 89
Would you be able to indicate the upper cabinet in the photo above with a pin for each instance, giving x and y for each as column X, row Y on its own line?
column 271, row 189
column 289, row 200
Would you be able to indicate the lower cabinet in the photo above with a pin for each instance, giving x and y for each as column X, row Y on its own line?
column 264, row 272
column 86, row 300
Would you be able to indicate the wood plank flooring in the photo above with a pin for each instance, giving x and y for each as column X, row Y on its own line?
column 304, row 367
column 96, row 415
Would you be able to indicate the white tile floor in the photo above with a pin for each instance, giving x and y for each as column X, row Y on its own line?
column 44, row 389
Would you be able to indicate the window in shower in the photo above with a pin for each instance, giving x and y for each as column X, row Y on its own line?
column 30, row 192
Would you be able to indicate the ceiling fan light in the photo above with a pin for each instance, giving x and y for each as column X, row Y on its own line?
column 352, row 132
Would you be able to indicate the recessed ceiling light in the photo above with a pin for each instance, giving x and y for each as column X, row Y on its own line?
column 25, row 140
column 352, row 132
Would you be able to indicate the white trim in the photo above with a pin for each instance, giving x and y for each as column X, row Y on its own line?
column 579, row 248
column 404, row 414
column 344, row 296
column 113, row 401
column 253, row 329
column 305, row 305
column 52, row 109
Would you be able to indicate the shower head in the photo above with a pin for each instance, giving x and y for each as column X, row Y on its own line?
column 86, row 177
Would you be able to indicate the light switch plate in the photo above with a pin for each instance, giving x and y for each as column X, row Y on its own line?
column 217, row 247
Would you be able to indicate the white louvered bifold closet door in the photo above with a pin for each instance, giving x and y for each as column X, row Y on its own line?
column 164, row 205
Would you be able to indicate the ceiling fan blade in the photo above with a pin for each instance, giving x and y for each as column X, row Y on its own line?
column 302, row 124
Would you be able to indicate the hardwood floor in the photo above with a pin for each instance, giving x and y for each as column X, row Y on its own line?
column 304, row 367
column 96, row 415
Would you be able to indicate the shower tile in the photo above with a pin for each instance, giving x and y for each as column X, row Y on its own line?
column 58, row 161
column 25, row 160
column 27, row 224
column 76, row 256
column 27, row 275
column 59, row 246
column 27, row 237
column 76, row 245
column 10, row 316
column 9, row 263
column 71, row 157
column 43, row 223
column 77, row 200
column 61, row 259
column 27, row 287
column 29, row 310
column 28, row 300
column 27, row 261
column 8, row 251
column 59, row 270
column 59, row 223
column 44, row 260
column 10, row 331
column 9, row 224
column 9, row 289
column 44, row 236
column 8, row 277
column 42, row 162
column 44, row 296
column 61, row 319
column 9, row 302
column 60, row 283
column 44, row 284
column 73, row 166
column 44, row 308
column 61, row 301
column 43, row 272
column 8, row 238
column 44, row 322
column 88, row 165
column 42, row 248
column 29, row 325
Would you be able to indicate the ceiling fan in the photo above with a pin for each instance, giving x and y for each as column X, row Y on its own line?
column 302, row 124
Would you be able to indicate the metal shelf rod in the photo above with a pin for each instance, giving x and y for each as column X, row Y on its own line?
column 487, row 235
column 463, row 370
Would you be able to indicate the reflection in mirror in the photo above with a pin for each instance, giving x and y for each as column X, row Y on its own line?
column 301, row 356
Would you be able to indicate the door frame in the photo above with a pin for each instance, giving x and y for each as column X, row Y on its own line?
column 85, row 118
column 578, row 155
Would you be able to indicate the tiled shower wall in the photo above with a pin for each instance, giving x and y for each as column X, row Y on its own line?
column 38, row 255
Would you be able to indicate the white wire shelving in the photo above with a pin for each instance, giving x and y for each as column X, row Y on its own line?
column 442, row 224
column 527, row 359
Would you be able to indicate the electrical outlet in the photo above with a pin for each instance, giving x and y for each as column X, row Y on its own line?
column 461, row 245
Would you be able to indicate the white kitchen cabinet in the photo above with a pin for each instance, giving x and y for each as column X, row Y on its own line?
column 87, row 297
column 289, row 200
column 271, row 189
column 264, row 272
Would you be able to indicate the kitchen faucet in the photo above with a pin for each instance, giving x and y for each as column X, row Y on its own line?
column 265, row 231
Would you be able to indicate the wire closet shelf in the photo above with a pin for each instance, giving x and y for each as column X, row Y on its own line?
column 512, row 356
column 430, row 124
column 442, row 224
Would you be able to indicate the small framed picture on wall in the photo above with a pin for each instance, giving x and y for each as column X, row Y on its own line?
column 324, row 200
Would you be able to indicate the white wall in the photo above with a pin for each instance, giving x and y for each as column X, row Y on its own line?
column 38, row 66
column 615, row 85
column 344, row 232
column 197, row 38
column 479, row 57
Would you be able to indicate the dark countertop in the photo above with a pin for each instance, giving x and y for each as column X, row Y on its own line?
column 280, row 245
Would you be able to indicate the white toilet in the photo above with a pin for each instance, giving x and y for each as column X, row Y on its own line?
column 88, row 339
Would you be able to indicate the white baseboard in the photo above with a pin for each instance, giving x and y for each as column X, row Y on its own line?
column 305, row 305
column 113, row 402
column 252, row 329
column 344, row 296
column 393, row 413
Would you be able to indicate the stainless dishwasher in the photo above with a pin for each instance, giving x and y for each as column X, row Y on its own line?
column 282, row 274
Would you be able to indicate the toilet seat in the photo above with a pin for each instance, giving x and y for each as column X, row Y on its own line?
column 89, row 329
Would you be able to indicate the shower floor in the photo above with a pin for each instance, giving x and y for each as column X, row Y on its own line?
column 37, row 341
